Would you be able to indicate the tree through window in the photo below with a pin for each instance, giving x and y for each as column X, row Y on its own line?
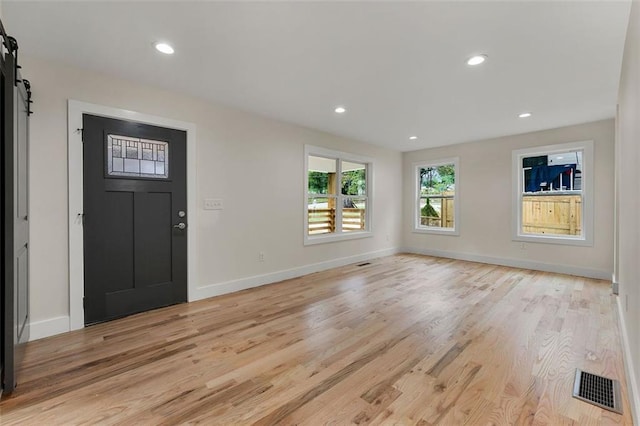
column 337, row 194
column 436, row 206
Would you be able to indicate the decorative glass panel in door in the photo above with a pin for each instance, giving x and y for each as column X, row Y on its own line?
column 135, row 157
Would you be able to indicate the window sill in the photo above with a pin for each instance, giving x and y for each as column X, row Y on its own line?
column 433, row 230
column 321, row 239
column 559, row 239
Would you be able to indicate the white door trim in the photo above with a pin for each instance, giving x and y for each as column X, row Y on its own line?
column 76, row 248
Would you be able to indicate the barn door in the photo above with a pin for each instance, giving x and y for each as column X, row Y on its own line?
column 14, row 121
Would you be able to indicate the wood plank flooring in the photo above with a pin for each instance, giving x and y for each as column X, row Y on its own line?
column 408, row 339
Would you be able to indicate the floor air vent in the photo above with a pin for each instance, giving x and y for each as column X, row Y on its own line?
column 365, row 264
column 598, row 390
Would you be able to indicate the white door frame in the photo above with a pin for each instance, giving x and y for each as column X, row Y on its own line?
column 76, row 244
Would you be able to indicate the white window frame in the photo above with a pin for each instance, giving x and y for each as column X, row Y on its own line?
column 338, row 235
column 417, row 227
column 587, row 189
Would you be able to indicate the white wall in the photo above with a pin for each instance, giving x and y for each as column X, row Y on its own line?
column 628, row 201
column 485, row 194
column 253, row 163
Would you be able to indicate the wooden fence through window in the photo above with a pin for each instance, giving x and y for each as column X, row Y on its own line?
column 323, row 221
column 446, row 217
column 559, row 214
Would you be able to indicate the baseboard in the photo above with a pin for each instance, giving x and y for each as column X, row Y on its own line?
column 258, row 280
column 48, row 327
column 514, row 263
column 632, row 385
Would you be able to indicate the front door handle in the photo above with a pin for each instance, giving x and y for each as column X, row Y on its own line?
column 180, row 225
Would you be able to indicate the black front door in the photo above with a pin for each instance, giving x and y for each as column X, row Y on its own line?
column 135, row 217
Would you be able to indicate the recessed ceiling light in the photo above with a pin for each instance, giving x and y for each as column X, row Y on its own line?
column 340, row 110
column 560, row 157
column 476, row 60
column 164, row 48
column 413, row 138
column 524, row 115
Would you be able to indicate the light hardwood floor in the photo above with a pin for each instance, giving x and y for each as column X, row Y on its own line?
column 405, row 340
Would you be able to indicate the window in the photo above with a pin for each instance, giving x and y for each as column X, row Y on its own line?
column 337, row 195
column 553, row 191
column 436, row 207
column 135, row 157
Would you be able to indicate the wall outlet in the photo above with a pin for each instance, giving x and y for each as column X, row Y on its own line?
column 213, row 204
column 261, row 256
column 523, row 246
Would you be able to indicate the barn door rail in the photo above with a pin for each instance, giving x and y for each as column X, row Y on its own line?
column 11, row 46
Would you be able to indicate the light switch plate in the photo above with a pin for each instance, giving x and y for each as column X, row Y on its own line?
column 213, row 204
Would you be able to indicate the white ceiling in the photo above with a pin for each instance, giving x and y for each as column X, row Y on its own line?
column 399, row 68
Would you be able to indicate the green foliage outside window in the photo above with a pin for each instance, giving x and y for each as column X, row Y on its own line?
column 436, row 180
column 354, row 182
column 433, row 181
column 428, row 210
column 318, row 182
